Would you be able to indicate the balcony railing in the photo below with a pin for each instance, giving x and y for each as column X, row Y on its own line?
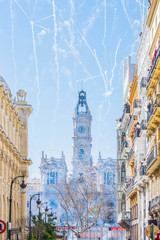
column 143, row 170
column 154, row 204
column 153, row 65
column 125, row 110
column 150, row 158
column 150, row 111
column 143, row 125
column 155, row 153
column 130, row 154
column 143, row 82
column 131, row 121
column 130, row 186
column 124, row 145
column 126, row 215
column 136, row 133
column 137, row 103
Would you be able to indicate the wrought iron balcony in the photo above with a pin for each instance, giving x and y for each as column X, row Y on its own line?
column 137, row 103
column 143, row 170
column 150, row 158
column 143, row 82
column 154, row 204
column 130, row 154
column 132, row 120
column 130, row 186
column 143, row 125
column 153, row 66
column 150, row 111
column 136, row 133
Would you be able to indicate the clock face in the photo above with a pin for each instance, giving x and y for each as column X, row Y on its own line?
column 81, row 129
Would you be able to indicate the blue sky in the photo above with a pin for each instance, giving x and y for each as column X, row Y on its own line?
column 52, row 49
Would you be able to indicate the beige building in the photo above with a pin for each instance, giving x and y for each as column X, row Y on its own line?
column 13, row 155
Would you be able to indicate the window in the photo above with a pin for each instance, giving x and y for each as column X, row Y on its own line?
column 105, row 178
column 47, row 178
column 81, row 153
column 52, row 178
column 109, row 178
column 114, row 179
column 56, row 177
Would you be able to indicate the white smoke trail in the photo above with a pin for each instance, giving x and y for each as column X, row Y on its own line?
column 42, row 19
column 100, row 70
column 12, row 44
column 115, row 63
column 22, row 10
column 122, row 1
column 37, row 71
column 142, row 4
column 71, row 28
column 105, row 30
column 56, row 51
column 46, row 29
column 95, row 57
column 87, row 79
column 77, row 57
column 115, row 11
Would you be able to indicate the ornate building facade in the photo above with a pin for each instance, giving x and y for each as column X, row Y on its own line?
column 14, row 153
column 53, row 174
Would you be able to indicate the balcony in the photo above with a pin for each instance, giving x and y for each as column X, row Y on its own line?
column 143, row 83
column 143, row 128
column 154, row 73
column 130, row 154
column 153, row 116
column 125, row 116
column 136, row 133
column 130, row 185
column 124, row 150
column 124, row 219
column 131, row 127
column 143, row 170
column 136, row 106
column 153, row 161
column 154, row 205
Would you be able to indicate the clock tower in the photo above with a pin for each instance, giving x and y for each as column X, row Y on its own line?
column 82, row 159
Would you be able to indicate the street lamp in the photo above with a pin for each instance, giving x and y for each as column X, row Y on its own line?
column 23, row 186
column 30, row 212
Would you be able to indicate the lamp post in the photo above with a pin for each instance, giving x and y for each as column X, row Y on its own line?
column 30, row 212
column 23, row 186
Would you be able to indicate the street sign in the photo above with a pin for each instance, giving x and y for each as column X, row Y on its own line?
column 148, row 231
column 2, row 226
column 158, row 236
column 78, row 236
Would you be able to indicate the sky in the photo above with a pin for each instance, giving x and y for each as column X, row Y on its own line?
column 54, row 48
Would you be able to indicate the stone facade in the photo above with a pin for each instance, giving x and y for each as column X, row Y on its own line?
column 14, row 153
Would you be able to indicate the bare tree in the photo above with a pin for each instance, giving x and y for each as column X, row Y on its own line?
column 82, row 204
